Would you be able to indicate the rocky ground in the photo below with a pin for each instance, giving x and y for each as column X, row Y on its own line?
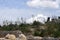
column 36, row 38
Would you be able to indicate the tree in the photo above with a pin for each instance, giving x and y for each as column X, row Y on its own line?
column 37, row 23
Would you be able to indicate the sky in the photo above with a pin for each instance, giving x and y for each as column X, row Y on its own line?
column 13, row 9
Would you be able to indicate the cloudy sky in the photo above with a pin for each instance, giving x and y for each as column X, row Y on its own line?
column 13, row 9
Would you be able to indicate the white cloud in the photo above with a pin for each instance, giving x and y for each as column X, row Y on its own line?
column 43, row 3
column 11, row 14
column 41, row 18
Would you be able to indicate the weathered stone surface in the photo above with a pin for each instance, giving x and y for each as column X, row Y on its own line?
column 4, row 33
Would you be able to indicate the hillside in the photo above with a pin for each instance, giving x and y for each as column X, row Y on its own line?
column 49, row 28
